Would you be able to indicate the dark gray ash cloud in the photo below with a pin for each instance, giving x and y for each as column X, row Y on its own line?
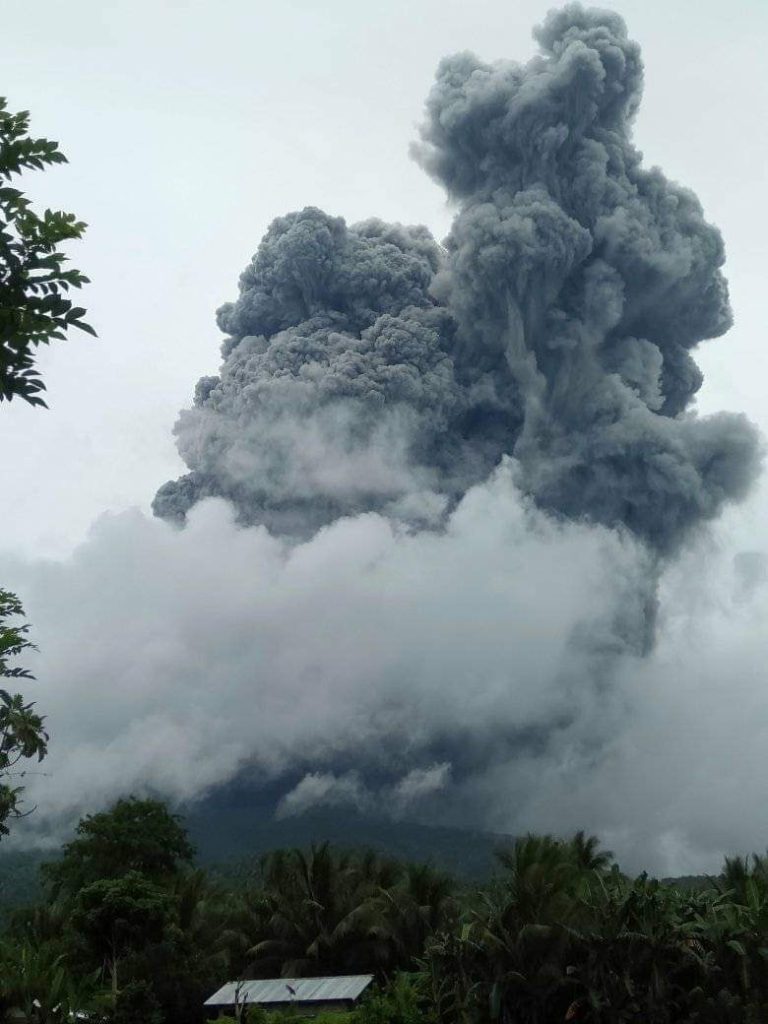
column 336, row 387
column 367, row 369
column 481, row 595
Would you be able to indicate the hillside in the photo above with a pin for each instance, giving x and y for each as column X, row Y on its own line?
column 229, row 834
column 229, row 837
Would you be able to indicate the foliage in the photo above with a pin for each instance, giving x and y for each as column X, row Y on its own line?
column 22, row 732
column 187, row 964
column 136, row 1004
column 562, row 937
column 133, row 836
column 36, row 980
column 403, row 1001
column 558, row 935
column 34, row 283
column 34, row 311
column 324, row 911
column 116, row 916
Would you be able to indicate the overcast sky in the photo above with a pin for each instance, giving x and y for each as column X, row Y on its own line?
column 190, row 125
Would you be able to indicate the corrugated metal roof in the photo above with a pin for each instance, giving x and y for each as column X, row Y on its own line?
column 305, row 990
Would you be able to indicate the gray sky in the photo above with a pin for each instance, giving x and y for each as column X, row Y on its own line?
column 189, row 126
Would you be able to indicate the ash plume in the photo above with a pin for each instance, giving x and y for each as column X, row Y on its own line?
column 337, row 381
column 365, row 368
column 440, row 501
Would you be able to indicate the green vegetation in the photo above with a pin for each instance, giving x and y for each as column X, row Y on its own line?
column 134, row 836
column 34, row 309
column 127, row 929
column 22, row 735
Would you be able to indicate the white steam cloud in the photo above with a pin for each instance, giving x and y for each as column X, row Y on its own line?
column 442, row 543
column 170, row 659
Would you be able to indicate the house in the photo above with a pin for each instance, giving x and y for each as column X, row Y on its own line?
column 308, row 995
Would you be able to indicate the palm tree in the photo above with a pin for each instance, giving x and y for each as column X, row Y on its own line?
column 314, row 907
column 244, row 922
column 738, row 871
column 587, row 854
column 517, row 931
column 538, row 882
column 416, row 906
column 189, row 961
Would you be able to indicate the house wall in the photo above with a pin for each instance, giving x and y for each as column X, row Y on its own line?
column 311, row 1009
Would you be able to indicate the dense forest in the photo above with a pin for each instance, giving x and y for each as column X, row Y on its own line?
column 129, row 928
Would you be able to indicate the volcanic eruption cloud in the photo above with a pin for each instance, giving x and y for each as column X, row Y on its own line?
column 443, row 501
column 366, row 368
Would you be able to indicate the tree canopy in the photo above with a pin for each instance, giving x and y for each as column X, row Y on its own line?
column 34, row 282
column 115, row 916
column 557, row 934
column 132, row 836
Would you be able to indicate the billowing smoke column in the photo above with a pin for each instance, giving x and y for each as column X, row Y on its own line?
column 584, row 281
column 510, row 414
column 337, row 382
column 366, row 368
